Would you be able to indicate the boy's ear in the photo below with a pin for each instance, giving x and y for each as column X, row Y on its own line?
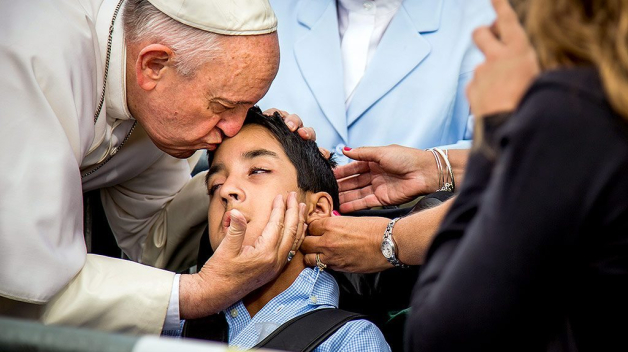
column 320, row 205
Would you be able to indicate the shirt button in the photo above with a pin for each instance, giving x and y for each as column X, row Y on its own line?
column 368, row 5
column 313, row 299
column 234, row 313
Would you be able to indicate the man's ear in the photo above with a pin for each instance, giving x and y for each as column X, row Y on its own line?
column 152, row 63
column 320, row 205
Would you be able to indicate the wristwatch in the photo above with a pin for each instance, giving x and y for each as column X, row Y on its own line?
column 389, row 247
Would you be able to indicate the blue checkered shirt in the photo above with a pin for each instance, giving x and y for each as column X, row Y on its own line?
column 311, row 290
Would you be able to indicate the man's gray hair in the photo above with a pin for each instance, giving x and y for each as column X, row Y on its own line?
column 192, row 47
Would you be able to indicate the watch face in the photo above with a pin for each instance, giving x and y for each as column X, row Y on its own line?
column 387, row 250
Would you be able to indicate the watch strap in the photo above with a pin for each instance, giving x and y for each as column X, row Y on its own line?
column 388, row 234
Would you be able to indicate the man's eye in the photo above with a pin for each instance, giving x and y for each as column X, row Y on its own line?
column 218, row 108
column 213, row 189
column 257, row 170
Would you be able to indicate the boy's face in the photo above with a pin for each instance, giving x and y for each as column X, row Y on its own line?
column 248, row 171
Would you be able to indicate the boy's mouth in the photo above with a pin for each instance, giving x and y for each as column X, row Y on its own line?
column 226, row 218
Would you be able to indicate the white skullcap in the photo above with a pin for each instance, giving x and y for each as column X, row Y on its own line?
column 230, row 17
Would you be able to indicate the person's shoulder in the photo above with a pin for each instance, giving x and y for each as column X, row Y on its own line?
column 356, row 335
column 565, row 101
column 585, row 81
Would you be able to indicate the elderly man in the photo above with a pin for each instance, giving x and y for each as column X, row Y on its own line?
column 108, row 94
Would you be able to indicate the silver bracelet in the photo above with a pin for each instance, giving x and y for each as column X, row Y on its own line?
column 439, row 166
column 448, row 186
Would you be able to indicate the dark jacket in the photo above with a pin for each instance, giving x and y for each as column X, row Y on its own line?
column 534, row 252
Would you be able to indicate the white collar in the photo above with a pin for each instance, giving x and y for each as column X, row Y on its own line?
column 383, row 6
column 115, row 97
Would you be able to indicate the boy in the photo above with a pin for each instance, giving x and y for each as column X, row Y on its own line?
column 246, row 172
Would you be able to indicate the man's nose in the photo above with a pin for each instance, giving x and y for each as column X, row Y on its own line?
column 232, row 124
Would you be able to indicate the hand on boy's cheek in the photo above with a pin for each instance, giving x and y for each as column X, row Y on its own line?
column 234, row 223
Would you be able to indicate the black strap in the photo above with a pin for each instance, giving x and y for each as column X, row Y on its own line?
column 307, row 331
column 211, row 328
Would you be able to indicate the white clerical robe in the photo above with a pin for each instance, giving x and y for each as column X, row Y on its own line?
column 52, row 56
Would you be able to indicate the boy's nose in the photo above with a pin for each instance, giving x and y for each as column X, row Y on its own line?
column 231, row 193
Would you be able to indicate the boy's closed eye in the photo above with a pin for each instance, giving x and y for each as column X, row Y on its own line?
column 259, row 170
column 213, row 188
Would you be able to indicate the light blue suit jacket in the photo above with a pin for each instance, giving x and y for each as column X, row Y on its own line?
column 413, row 90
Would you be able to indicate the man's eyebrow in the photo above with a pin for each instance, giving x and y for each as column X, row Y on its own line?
column 259, row 152
column 231, row 102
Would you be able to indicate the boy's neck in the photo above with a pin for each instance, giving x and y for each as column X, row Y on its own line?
column 257, row 299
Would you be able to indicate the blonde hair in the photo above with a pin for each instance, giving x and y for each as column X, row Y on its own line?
column 581, row 33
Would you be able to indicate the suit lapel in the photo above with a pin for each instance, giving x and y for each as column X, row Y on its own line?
column 318, row 56
column 401, row 50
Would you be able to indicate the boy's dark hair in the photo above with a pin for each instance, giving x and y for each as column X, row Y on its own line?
column 314, row 172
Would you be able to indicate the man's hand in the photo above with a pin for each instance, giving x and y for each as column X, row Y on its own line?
column 234, row 271
column 294, row 122
column 511, row 64
column 389, row 175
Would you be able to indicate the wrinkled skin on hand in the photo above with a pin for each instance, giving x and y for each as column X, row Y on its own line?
column 235, row 270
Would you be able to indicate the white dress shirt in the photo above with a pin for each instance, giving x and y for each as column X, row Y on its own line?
column 361, row 24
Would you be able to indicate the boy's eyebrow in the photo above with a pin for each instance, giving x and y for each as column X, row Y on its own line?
column 259, row 152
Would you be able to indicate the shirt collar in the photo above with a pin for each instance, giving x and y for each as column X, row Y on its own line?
column 115, row 95
column 312, row 289
column 383, row 6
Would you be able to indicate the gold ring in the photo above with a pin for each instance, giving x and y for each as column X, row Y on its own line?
column 320, row 264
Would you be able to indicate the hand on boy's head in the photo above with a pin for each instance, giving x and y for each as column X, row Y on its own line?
column 326, row 153
column 294, row 122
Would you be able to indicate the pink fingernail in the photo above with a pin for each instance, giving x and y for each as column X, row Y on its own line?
column 335, row 213
column 347, row 149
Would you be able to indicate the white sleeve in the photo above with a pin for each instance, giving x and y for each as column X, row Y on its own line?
column 173, row 318
column 113, row 295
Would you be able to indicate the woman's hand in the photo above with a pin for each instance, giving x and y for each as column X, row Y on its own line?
column 353, row 244
column 390, row 175
column 511, row 64
column 349, row 244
